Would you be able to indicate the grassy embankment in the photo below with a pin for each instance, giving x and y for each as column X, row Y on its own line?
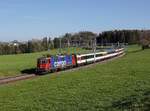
column 117, row 85
column 11, row 65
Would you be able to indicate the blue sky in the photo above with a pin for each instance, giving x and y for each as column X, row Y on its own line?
column 27, row 19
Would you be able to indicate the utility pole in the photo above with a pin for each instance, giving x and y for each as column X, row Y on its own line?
column 68, row 45
column 95, row 48
column 60, row 45
column 118, row 44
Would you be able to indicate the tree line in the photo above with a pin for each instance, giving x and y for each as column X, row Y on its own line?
column 121, row 36
column 83, row 38
column 30, row 46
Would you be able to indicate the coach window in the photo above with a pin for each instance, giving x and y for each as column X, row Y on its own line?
column 83, row 57
column 90, row 56
column 98, row 55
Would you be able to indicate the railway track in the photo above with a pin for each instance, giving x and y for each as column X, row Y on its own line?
column 16, row 78
column 30, row 76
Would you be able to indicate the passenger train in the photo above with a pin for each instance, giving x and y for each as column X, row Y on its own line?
column 59, row 62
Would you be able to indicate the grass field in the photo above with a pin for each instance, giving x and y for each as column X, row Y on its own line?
column 113, row 86
column 14, row 64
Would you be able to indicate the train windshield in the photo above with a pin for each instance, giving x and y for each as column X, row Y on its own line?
column 42, row 61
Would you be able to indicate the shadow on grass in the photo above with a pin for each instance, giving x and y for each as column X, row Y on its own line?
column 135, row 51
column 133, row 103
column 29, row 71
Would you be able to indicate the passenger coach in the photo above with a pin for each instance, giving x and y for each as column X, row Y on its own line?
column 59, row 62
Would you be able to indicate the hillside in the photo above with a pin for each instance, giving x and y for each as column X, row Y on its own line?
column 116, row 85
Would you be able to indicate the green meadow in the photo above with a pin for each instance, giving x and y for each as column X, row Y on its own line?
column 119, row 85
column 11, row 65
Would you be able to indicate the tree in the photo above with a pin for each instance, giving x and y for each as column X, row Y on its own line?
column 66, row 40
column 50, row 44
column 30, row 48
column 45, row 43
column 56, row 42
column 145, row 39
column 23, row 48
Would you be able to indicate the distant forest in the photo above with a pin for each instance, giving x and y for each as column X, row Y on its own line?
column 80, row 39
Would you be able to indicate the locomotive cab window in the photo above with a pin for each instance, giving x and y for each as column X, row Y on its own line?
column 42, row 61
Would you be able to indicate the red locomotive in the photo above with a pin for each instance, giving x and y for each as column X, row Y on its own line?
column 58, row 62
